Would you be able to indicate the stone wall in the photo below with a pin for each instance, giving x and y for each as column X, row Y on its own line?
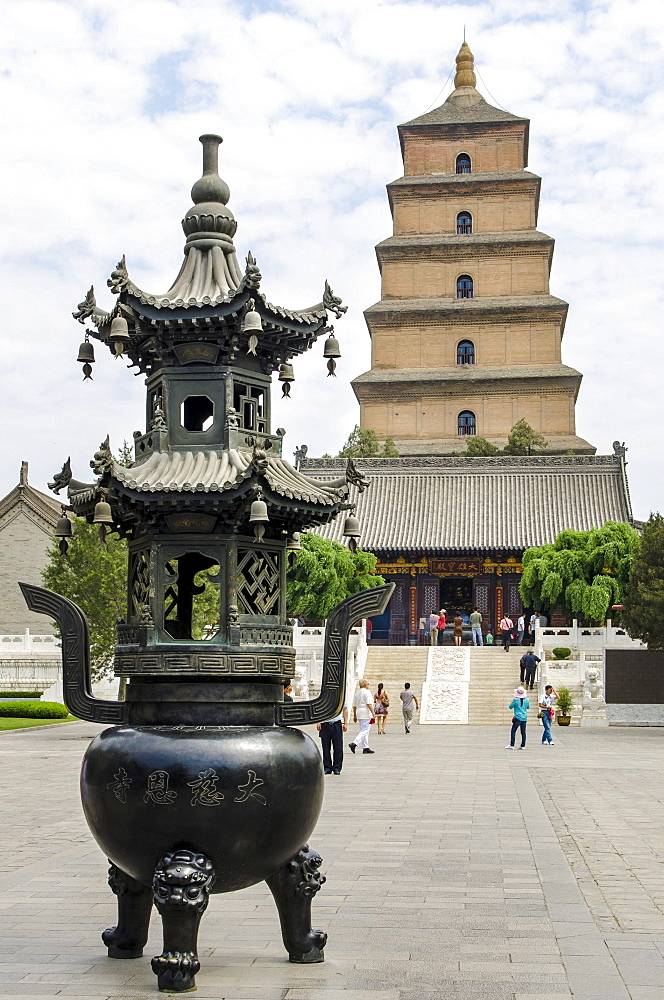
column 23, row 545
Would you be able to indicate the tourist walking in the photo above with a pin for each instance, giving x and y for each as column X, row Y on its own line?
column 288, row 691
column 458, row 630
column 548, row 712
column 332, row 741
column 476, row 628
column 442, row 623
column 520, row 629
column 506, row 626
column 519, row 705
column 409, row 704
column 432, row 623
column 363, row 712
column 528, row 664
column 381, row 706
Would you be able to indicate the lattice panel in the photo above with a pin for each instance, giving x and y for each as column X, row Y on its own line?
column 481, row 598
column 430, row 598
column 514, row 600
column 397, row 604
column 258, row 582
column 140, row 583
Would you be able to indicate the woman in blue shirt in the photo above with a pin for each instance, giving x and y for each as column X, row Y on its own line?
column 519, row 706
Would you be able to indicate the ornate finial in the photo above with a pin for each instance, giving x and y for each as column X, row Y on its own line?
column 465, row 72
column 23, row 480
column 210, row 186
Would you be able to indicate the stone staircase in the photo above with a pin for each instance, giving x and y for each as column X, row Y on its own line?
column 493, row 676
column 394, row 665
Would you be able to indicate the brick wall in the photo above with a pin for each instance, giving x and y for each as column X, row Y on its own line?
column 23, row 545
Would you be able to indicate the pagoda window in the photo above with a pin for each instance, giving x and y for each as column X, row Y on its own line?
column 249, row 403
column 465, row 352
column 464, row 287
column 464, row 224
column 197, row 413
column 463, row 164
column 466, row 423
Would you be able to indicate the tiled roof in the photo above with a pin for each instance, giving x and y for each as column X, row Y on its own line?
column 453, row 112
column 428, row 180
column 465, row 373
column 208, row 471
column 508, row 239
column 479, row 304
column 466, row 504
column 43, row 505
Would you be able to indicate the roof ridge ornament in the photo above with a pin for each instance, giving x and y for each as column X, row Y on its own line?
column 465, row 71
column 119, row 278
column 333, row 302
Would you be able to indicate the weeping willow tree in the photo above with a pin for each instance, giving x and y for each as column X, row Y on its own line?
column 325, row 573
column 584, row 571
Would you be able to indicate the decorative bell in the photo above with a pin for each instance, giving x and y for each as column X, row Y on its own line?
column 63, row 531
column 286, row 375
column 331, row 351
column 352, row 531
column 102, row 514
column 258, row 516
column 86, row 355
column 331, row 347
column 119, row 335
column 252, row 320
column 293, row 543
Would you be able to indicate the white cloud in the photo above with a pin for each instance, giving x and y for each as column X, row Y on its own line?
column 102, row 107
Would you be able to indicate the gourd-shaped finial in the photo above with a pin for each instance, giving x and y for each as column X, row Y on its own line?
column 465, row 71
column 210, row 186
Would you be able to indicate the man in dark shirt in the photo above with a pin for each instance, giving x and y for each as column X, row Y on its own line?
column 528, row 665
column 288, row 691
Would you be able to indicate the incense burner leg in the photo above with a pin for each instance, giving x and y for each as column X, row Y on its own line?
column 293, row 888
column 128, row 938
column 182, row 884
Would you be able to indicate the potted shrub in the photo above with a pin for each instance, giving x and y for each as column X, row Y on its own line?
column 561, row 653
column 565, row 705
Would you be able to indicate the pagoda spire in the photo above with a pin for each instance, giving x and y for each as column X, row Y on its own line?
column 465, row 68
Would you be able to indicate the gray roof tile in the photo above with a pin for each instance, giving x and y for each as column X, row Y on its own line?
column 466, row 504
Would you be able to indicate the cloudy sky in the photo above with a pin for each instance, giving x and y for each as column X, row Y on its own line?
column 102, row 106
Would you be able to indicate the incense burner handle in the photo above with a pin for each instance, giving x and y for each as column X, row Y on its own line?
column 333, row 686
column 75, row 656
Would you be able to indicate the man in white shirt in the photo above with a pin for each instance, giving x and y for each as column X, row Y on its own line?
column 363, row 712
column 520, row 629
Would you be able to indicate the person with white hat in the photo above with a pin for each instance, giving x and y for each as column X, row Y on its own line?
column 519, row 706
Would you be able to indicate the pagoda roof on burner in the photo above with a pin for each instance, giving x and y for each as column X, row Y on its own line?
column 210, row 471
column 210, row 283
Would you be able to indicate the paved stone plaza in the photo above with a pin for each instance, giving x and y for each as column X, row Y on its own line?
column 455, row 869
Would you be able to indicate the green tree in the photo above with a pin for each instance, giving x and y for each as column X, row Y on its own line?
column 479, row 447
column 643, row 616
column 364, row 443
column 324, row 573
column 523, row 440
column 585, row 571
column 93, row 576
